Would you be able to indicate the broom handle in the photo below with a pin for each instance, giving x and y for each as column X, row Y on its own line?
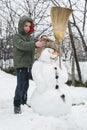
column 60, row 55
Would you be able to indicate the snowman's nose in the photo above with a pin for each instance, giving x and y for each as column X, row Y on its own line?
column 55, row 53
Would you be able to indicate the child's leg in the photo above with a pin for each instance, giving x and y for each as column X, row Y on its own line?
column 18, row 91
column 22, row 86
column 30, row 74
column 25, row 86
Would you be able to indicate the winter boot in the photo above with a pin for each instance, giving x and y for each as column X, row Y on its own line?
column 17, row 109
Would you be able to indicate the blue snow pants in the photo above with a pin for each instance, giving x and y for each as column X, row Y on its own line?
column 22, row 86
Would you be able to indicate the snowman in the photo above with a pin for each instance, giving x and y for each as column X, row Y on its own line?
column 50, row 97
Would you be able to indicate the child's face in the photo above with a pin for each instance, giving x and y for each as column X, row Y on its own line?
column 27, row 27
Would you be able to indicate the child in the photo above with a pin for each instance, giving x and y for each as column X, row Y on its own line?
column 24, row 48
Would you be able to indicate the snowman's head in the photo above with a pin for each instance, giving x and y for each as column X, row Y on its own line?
column 49, row 55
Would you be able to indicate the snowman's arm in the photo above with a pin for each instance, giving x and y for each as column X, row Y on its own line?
column 38, row 78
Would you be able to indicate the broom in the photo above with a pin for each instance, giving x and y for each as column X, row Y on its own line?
column 59, row 17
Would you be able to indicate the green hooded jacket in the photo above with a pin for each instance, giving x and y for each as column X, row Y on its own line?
column 23, row 46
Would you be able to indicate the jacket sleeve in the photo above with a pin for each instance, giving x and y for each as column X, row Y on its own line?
column 20, row 44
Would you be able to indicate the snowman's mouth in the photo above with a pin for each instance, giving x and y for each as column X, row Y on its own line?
column 53, row 54
column 53, row 57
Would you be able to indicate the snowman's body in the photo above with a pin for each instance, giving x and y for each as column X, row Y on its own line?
column 47, row 99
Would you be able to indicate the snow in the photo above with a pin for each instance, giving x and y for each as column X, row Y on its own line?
column 44, row 67
column 46, row 99
column 6, row 64
column 83, row 70
column 50, row 103
column 76, row 119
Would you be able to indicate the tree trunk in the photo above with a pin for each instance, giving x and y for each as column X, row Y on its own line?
column 73, row 69
column 75, row 55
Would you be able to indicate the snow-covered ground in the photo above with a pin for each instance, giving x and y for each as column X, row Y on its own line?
column 29, row 120
column 82, row 67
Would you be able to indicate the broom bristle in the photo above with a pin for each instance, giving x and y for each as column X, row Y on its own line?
column 59, row 17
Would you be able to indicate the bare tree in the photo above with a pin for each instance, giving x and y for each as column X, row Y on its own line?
column 78, row 28
column 78, row 25
column 75, row 55
column 39, row 10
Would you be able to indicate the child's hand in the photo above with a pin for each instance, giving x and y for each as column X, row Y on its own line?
column 40, row 43
column 44, row 39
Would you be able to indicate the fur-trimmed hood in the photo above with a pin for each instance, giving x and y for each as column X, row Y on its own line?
column 21, row 23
